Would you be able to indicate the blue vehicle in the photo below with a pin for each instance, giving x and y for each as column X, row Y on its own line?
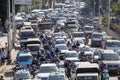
column 24, row 58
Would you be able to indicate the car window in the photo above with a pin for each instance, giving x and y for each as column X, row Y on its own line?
column 87, row 78
column 33, row 48
column 62, row 47
column 48, row 69
column 72, row 55
column 110, row 56
column 57, row 77
column 25, row 35
column 113, row 44
column 97, row 35
column 86, row 49
column 24, row 58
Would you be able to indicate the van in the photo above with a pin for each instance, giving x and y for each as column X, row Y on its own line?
column 24, row 58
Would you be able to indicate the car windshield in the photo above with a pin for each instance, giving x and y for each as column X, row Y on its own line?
column 24, row 58
column 62, row 47
column 87, row 78
column 33, row 48
column 60, row 42
column 97, row 35
column 57, row 77
column 110, row 56
column 78, row 35
column 88, row 29
column 47, row 69
column 72, row 55
column 113, row 44
column 86, row 49
column 80, row 41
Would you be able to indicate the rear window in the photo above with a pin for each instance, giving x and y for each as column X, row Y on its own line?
column 25, row 35
column 24, row 58
column 45, row 26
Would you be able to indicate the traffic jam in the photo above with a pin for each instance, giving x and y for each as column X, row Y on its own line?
column 62, row 44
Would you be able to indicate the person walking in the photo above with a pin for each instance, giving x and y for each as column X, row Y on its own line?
column 3, row 56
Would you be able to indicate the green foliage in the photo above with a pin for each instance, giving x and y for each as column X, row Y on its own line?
column 105, row 21
column 116, row 8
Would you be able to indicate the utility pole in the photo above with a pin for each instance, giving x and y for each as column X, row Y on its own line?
column 13, row 23
column 109, row 9
column 94, row 8
column 9, row 37
column 100, row 6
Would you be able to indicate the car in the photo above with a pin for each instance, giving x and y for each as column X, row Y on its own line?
column 96, row 38
column 57, row 76
column 45, row 70
column 79, row 40
column 24, row 58
column 96, row 55
column 24, row 35
column 112, row 61
column 63, row 49
column 22, row 74
column 88, row 30
column 87, row 52
column 34, row 49
column 56, row 35
column 112, row 44
column 19, row 21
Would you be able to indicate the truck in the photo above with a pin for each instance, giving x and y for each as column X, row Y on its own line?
column 85, row 71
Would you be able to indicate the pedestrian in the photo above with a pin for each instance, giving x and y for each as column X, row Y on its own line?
column 1, row 78
column 3, row 56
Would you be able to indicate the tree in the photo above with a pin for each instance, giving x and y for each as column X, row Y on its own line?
column 116, row 8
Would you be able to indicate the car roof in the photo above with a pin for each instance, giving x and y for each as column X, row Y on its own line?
column 60, row 45
column 72, row 51
column 74, row 39
column 86, row 65
column 78, row 32
column 24, row 54
column 47, row 64
column 108, row 52
column 97, row 33
column 113, row 41
column 87, row 74
column 33, row 45
column 89, row 26
column 33, row 39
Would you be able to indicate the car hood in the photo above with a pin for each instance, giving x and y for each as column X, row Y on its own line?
column 43, row 75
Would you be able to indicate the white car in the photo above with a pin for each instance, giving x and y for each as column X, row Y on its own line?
column 81, row 41
column 62, row 47
column 45, row 70
column 22, row 74
column 87, row 51
column 57, row 76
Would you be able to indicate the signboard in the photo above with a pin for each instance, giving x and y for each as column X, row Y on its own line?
column 23, row 2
